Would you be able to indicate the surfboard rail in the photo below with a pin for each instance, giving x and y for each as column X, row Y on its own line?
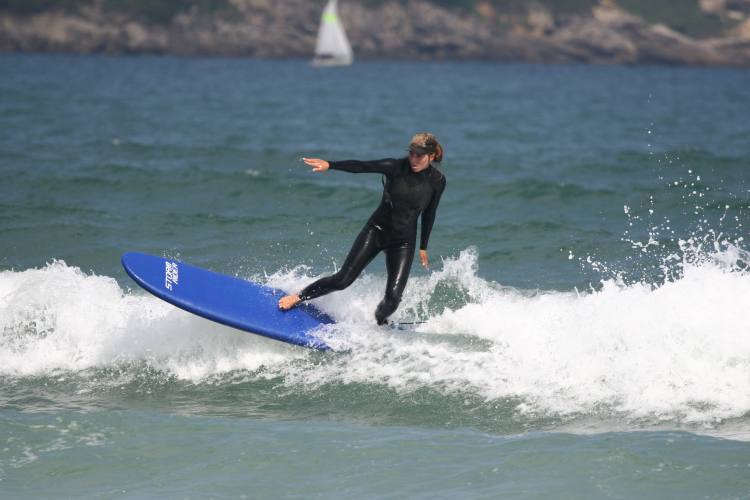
column 234, row 302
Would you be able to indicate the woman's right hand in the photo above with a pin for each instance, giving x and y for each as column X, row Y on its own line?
column 317, row 164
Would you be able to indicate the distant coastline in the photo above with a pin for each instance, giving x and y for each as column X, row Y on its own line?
column 711, row 33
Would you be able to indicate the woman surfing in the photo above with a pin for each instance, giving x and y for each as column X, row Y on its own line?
column 412, row 186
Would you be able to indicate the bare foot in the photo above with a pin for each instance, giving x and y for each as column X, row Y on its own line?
column 288, row 301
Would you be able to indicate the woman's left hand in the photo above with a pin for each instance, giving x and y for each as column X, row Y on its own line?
column 424, row 259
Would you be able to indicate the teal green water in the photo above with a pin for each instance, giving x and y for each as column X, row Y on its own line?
column 584, row 315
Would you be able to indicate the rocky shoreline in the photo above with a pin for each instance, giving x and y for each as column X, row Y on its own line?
column 412, row 29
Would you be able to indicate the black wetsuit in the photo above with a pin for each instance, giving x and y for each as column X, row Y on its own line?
column 392, row 228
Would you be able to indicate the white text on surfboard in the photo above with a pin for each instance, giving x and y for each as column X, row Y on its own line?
column 171, row 275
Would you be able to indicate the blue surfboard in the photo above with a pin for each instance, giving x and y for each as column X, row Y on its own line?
column 231, row 301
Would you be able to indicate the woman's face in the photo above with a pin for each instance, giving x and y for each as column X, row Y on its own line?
column 419, row 162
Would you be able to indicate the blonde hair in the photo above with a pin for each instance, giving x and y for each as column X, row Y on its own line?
column 426, row 142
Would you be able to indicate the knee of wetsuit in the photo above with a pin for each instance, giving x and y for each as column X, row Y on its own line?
column 346, row 280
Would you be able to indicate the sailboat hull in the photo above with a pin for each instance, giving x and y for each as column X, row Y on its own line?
column 322, row 61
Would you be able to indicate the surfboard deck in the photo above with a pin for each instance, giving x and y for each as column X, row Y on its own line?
column 231, row 301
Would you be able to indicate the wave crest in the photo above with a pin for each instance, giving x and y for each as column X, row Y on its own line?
column 673, row 351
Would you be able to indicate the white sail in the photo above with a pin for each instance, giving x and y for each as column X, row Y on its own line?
column 332, row 48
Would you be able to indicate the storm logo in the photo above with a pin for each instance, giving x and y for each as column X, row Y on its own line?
column 171, row 275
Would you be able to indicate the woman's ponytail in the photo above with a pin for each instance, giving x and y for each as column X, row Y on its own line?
column 438, row 153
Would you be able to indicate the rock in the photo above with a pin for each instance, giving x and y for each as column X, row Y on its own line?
column 742, row 31
column 659, row 43
column 540, row 20
column 410, row 29
column 591, row 40
column 613, row 35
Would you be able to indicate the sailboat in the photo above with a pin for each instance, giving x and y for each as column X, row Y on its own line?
column 332, row 48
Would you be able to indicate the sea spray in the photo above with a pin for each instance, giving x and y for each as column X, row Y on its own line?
column 673, row 352
column 60, row 318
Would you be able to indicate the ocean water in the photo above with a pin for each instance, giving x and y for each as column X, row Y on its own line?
column 584, row 319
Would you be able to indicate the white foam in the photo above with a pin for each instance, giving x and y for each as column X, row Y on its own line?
column 679, row 351
column 59, row 318
column 675, row 351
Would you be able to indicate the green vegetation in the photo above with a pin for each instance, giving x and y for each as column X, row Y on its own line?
column 162, row 11
column 682, row 15
column 510, row 6
column 29, row 7
column 556, row 6
column 150, row 11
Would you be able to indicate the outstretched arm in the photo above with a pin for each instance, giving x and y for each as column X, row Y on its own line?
column 387, row 166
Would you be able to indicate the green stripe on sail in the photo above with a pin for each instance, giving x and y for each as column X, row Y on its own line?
column 330, row 17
